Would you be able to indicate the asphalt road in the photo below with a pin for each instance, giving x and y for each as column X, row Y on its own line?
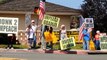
column 45, row 56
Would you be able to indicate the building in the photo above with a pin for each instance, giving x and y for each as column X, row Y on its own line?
column 19, row 9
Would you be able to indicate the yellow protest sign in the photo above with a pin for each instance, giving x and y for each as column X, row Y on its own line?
column 74, row 34
column 67, row 43
column 51, row 21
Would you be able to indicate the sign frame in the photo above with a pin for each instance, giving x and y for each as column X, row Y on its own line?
column 9, row 25
column 51, row 21
column 66, row 43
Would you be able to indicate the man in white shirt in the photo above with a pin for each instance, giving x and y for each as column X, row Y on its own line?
column 34, row 27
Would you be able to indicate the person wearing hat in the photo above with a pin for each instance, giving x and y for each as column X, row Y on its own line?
column 34, row 27
column 97, row 38
column 63, row 33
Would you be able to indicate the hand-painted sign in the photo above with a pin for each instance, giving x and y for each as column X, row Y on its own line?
column 89, row 22
column 8, row 25
column 51, row 21
column 103, row 42
column 67, row 43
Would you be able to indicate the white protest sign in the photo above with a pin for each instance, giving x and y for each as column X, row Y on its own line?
column 8, row 25
column 89, row 22
column 103, row 42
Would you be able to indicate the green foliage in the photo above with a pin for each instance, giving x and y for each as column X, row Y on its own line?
column 15, row 46
column 55, row 46
column 96, row 9
column 3, row 1
column 77, row 47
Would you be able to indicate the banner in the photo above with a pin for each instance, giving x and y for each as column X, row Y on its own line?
column 103, row 42
column 27, row 19
column 74, row 34
column 8, row 25
column 51, row 21
column 67, row 43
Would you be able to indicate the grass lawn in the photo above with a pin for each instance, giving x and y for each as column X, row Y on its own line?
column 15, row 46
column 77, row 47
column 55, row 47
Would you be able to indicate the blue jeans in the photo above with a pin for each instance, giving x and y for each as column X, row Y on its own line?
column 97, row 44
column 30, row 41
column 86, row 44
column 34, row 42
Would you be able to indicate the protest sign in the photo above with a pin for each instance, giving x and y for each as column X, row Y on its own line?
column 67, row 43
column 89, row 22
column 103, row 42
column 74, row 34
column 27, row 19
column 8, row 25
column 51, row 21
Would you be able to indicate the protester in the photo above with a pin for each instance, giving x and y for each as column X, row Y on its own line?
column 97, row 38
column 34, row 27
column 50, row 37
column 63, row 33
column 47, row 37
column 53, row 36
column 86, row 38
column 30, row 36
column 11, row 37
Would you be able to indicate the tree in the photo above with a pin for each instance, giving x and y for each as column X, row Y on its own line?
column 96, row 9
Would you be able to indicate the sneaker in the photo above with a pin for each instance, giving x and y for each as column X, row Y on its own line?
column 29, row 48
column 12, row 48
column 8, row 48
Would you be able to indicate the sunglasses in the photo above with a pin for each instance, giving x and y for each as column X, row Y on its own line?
column 33, row 22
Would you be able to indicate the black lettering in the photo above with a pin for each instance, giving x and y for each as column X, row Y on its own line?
column 15, row 22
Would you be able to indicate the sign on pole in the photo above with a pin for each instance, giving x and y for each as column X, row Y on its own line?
column 27, row 19
column 89, row 22
column 51, row 21
column 103, row 42
column 8, row 25
column 67, row 43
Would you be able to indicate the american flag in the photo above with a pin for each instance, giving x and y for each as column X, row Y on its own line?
column 42, row 9
column 81, row 28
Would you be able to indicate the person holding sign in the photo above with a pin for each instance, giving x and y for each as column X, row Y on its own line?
column 97, row 38
column 30, row 36
column 86, row 38
column 34, row 27
column 50, row 37
column 11, row 38
column 47, row 37
column 63, row 33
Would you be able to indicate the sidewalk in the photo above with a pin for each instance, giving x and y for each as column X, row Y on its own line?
column 56, row 51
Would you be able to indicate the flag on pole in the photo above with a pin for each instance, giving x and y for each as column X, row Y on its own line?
column 41, row 9
column 41, row 16
column 81, row 28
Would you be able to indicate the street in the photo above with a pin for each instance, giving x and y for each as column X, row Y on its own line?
column 27, row 55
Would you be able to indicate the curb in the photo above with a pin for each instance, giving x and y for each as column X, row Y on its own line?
column 79, row 52
column 61, row 51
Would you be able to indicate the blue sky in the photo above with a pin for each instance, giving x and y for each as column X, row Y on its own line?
column 68, row 3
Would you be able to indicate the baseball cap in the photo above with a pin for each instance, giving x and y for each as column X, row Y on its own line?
column 33, row 21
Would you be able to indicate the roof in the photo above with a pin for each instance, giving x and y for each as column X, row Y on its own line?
column 28, row 5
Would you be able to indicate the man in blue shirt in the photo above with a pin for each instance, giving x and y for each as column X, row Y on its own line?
column 86, row 38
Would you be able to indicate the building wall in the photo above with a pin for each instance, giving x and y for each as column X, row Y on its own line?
column 64, row 19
